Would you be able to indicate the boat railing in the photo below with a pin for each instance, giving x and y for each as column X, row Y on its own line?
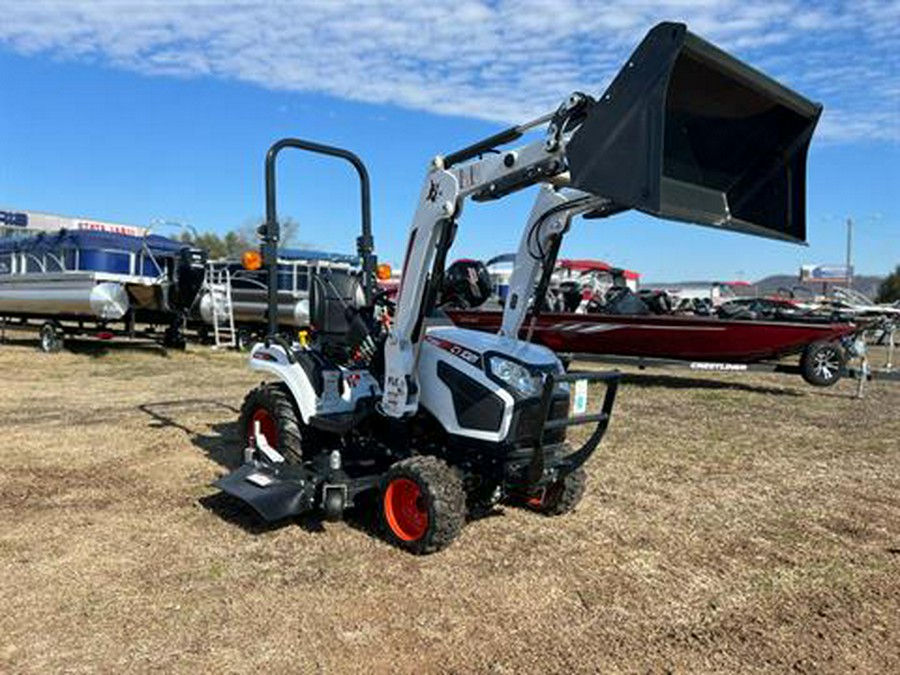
column 60, row 263
column 156, row 224
column 297, row 269
column 40, row 262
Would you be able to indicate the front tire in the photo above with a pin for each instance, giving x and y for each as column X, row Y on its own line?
column 822, row 363
column 279, row 422
column 423, row 504
column 561, row 496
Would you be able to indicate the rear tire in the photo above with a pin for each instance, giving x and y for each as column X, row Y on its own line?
column 273, row 407
column 423, row 504
column 562, row 496
column 822, row 363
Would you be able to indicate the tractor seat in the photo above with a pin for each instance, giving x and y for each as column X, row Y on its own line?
column 335, row 300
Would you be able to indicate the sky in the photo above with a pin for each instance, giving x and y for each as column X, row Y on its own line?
column 133, row 111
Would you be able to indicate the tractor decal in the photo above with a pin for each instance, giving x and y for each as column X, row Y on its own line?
column 467, row 355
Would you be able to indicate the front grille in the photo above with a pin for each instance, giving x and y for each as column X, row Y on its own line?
column 526, row 420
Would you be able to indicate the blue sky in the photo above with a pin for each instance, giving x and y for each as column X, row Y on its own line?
column 134, row 111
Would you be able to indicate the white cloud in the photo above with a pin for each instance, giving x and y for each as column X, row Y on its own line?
column 505, row 61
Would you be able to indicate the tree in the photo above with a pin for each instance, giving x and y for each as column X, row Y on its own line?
column 249, row 231
column 889, row 290
column 234, row 242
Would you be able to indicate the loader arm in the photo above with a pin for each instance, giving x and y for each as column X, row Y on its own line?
column 440, row 203
column 548, row 222
column 684, row 132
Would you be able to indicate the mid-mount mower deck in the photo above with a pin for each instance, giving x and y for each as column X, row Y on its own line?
column 441, row 421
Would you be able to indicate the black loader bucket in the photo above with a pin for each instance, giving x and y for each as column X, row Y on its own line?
column 688, row 132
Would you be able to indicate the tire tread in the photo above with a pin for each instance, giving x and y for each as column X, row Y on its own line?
column 448, row 502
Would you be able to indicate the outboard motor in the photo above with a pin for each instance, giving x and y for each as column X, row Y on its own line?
column 467, row 285
column 190, row 268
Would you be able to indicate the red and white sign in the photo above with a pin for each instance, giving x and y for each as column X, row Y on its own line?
column 96, row 226
column 34, row 221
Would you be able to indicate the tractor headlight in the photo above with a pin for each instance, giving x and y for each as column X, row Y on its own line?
column 516, row 376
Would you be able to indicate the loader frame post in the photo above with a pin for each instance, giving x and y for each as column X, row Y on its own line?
column 271, row 231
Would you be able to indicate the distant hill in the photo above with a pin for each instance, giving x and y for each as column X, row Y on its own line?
column 771, row 284
column 866, row 285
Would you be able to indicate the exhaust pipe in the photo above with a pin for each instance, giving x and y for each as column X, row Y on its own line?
column 687, row 132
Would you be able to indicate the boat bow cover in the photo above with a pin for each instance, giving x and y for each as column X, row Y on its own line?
column 88, row 239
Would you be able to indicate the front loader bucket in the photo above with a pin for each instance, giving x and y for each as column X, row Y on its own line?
column 688, row 132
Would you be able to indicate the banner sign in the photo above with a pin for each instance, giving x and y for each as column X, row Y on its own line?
column 45, row 222
column 825, row 273
column 13, row 219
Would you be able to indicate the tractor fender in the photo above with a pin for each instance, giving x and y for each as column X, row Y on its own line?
column 274, row 360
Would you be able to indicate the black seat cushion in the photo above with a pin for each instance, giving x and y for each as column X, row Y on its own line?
column 335, row 301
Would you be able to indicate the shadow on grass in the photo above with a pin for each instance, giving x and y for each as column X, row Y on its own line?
column 236, row 512
column 682, row 382
column 94, row 348
column 363, row 516
column 222, row 446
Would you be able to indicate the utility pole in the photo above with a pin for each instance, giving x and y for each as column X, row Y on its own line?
column 849, row 253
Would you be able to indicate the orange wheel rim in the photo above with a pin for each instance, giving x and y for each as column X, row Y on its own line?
column 536, row 501
column 405, row 510
column 267, row 427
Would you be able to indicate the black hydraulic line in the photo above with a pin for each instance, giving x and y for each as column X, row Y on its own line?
column 481, row 147
column 271, row 231
column 543, row 285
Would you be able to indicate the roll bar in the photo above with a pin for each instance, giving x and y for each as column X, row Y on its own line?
column 270, row 231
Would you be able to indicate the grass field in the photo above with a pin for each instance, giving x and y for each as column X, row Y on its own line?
column 732, row 524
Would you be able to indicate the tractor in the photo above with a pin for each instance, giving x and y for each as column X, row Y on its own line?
column 389, row 398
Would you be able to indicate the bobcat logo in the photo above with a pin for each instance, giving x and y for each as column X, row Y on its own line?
column 434, row 192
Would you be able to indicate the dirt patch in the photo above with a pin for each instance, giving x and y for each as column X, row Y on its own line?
column 741, row 523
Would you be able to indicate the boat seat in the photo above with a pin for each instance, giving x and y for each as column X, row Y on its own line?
column 624, row 301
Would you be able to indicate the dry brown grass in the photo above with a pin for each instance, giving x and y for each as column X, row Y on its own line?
column 732, row 523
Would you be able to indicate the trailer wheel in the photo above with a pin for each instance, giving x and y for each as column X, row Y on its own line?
column 271, row 405
column 51, row 340
column 244, row 340
column 822, row 363
column 423, row 504
column 173, row 338
column 561, row 496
